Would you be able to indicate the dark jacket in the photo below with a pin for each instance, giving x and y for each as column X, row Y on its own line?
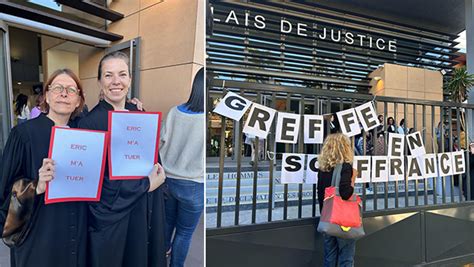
column 126, row 228
column 58, row 231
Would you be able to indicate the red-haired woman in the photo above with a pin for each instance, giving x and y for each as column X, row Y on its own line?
column 57, row 235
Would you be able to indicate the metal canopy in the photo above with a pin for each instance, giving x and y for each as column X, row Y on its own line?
column 445, row 16
column 92, row 8
column 57, row 21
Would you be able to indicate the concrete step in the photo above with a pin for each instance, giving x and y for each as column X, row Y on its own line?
column 244, row 190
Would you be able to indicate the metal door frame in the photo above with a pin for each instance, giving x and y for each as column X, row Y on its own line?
column 7, row 108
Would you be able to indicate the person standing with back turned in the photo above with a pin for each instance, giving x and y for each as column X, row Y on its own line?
column 182, row 152
column 336, row 149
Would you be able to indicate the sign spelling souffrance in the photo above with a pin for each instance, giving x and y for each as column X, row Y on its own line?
column 134, row 141
column 292, row 168
column 377, row 169
column 362, row 165
column 396, row 168
column 312, row 170
column 79, row 157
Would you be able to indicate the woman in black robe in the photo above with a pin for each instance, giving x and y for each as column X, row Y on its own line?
column 126, row 228
column 57, row 236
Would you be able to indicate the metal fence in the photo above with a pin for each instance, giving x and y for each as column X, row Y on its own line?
column 439, row 122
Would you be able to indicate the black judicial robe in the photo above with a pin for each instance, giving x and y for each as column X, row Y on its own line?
column 58, row 235
column 127, row 226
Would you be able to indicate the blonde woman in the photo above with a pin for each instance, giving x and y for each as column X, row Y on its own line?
column 337, row 149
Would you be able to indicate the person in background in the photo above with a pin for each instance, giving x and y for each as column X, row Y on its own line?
column 336, row 150
column 247, row 145
column 401, row 128
column 36, row 111
column 391, row 127
column 182, row 153
column 334, row 126
column 381, row 126
column 22, row 110
column 250, row 139
column 379, row 138
column 359, row 145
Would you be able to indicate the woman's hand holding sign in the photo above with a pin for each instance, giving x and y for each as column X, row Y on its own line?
column 46, row 174
column 157, row 177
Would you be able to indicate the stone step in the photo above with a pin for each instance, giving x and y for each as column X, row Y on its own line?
column 262, row 197
column 244, row 190
column 246, row 193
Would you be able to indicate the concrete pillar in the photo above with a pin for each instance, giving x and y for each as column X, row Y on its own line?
column 469, row 7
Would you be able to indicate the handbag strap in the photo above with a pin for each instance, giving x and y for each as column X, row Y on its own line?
column 336, row 180
column 336, row 177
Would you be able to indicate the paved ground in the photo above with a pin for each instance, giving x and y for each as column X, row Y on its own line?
column 196, row 252
column 195, row 257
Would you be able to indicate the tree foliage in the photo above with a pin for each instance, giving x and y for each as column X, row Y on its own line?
column 459, row 85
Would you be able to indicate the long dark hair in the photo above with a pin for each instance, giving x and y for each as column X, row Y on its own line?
column 21, row 101
column 402, row 123
column 196, row 99
column 390, row 119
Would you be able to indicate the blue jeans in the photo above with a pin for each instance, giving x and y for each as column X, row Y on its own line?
column 184, row 204
column 338, row 250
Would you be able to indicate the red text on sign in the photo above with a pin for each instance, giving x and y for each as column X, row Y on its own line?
column 77, row 163
column 74, row 178
column 78, row 147
column 132, row 157
column 134, row 128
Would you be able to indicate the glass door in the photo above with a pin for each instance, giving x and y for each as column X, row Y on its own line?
column 6, row 114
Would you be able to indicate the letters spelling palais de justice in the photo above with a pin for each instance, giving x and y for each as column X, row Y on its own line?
column 301, row 29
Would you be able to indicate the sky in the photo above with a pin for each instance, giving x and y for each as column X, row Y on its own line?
column 47, row 3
